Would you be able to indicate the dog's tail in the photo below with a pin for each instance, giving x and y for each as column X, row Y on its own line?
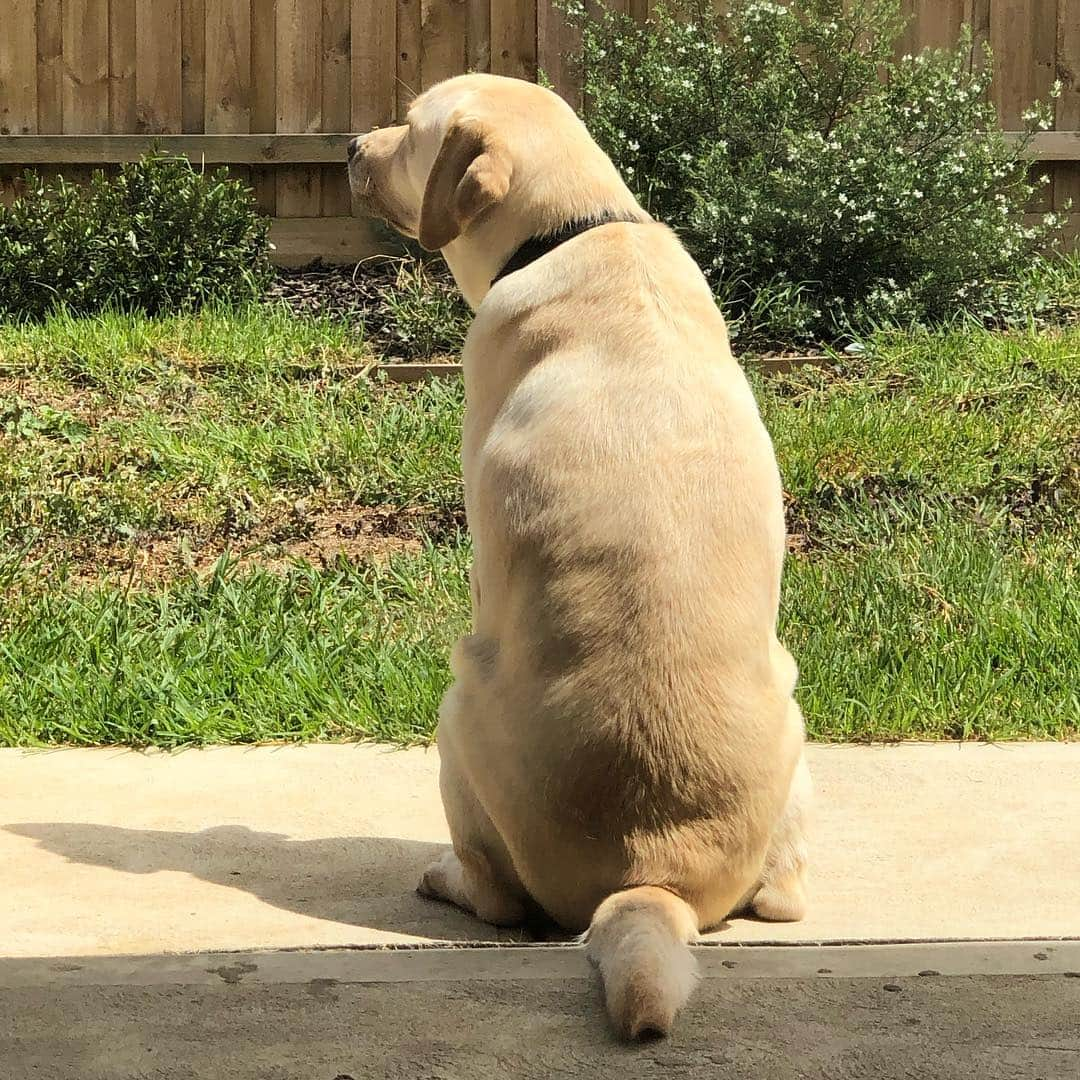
column 638, row 939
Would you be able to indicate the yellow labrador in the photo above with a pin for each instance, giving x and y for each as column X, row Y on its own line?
column 620, row 747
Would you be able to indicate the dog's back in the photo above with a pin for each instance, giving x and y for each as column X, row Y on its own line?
column 627, row 518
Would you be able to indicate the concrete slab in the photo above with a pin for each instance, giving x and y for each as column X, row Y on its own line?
column 466, row 1014
column 106, row 851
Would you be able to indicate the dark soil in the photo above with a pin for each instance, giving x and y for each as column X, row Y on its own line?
column 357, row 295
column 351, row 293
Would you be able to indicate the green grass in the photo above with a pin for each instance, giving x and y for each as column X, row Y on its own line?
column 933, row 483
column 122, row 426
column 256, row 656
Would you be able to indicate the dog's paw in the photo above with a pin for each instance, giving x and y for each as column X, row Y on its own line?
column 780, row 903
column 437, row 882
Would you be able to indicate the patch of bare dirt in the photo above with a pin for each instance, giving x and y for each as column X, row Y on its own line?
column 82, row 404
column 324, row 537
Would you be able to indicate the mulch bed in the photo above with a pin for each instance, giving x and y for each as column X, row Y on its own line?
column 354, row 294
column 351, row 293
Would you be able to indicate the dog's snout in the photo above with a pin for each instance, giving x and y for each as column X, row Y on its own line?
column 354, row 146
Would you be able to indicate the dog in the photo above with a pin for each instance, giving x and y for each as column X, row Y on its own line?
column 620, row 749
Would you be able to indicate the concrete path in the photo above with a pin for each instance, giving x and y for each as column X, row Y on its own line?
column 109, row 852
column 998, row 1012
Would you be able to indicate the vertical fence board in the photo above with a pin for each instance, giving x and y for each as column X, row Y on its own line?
column 159, row 102
column 122, row 111
column 1023, row 40
column 939, row 23
column 18, row 69
column 227, row 106
column 442, row 40
column 49, row 57
column 50, row 71
column 478, row 35
column 194, row 64
column 374, row 63
column 299, row 99
column 336, row 106
column 263, row 24
column 86, row 66
column 933, row 25
column 1067, row 178
column 409, row 33
column 977, row 16
column 513, row 39
column 557, row 42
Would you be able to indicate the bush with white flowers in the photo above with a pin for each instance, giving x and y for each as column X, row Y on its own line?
column 821, row 183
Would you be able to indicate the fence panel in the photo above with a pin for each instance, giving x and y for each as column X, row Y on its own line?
column 374, row 63
column 159, row 89
column 85, row 66
column 266, row 69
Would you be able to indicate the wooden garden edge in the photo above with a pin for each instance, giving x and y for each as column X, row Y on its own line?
column 771, row 365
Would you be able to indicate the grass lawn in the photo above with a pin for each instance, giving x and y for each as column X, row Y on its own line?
column 220, row 529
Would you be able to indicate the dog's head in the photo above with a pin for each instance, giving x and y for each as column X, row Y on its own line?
column 432, row 176
column 486, row 159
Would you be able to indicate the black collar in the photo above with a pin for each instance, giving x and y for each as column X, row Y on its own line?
column 537, row 246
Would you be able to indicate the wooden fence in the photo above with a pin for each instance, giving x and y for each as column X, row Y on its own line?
column 271, row 87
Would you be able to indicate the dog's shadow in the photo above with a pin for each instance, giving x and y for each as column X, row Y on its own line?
column 364, row 881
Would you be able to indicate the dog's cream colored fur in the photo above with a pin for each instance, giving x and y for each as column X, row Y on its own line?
column 620, row 746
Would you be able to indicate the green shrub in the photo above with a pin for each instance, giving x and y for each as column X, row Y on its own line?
column 820, row 182
column 159, row 236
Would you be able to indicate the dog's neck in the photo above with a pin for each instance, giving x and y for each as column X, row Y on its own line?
column 536, row 247
column 487, row 253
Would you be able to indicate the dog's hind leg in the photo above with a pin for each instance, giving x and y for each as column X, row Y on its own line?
column 780, row 894
column 478, row 874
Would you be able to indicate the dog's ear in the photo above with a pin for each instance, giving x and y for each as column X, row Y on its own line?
column 471, row 173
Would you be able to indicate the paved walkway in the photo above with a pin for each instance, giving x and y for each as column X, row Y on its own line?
column 109, row 852
column 994, row 1011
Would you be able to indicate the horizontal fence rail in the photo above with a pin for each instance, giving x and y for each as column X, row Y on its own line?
column 270, row 87
column 321, row 149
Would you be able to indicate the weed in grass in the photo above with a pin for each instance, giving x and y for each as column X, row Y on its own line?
column 425, row 314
